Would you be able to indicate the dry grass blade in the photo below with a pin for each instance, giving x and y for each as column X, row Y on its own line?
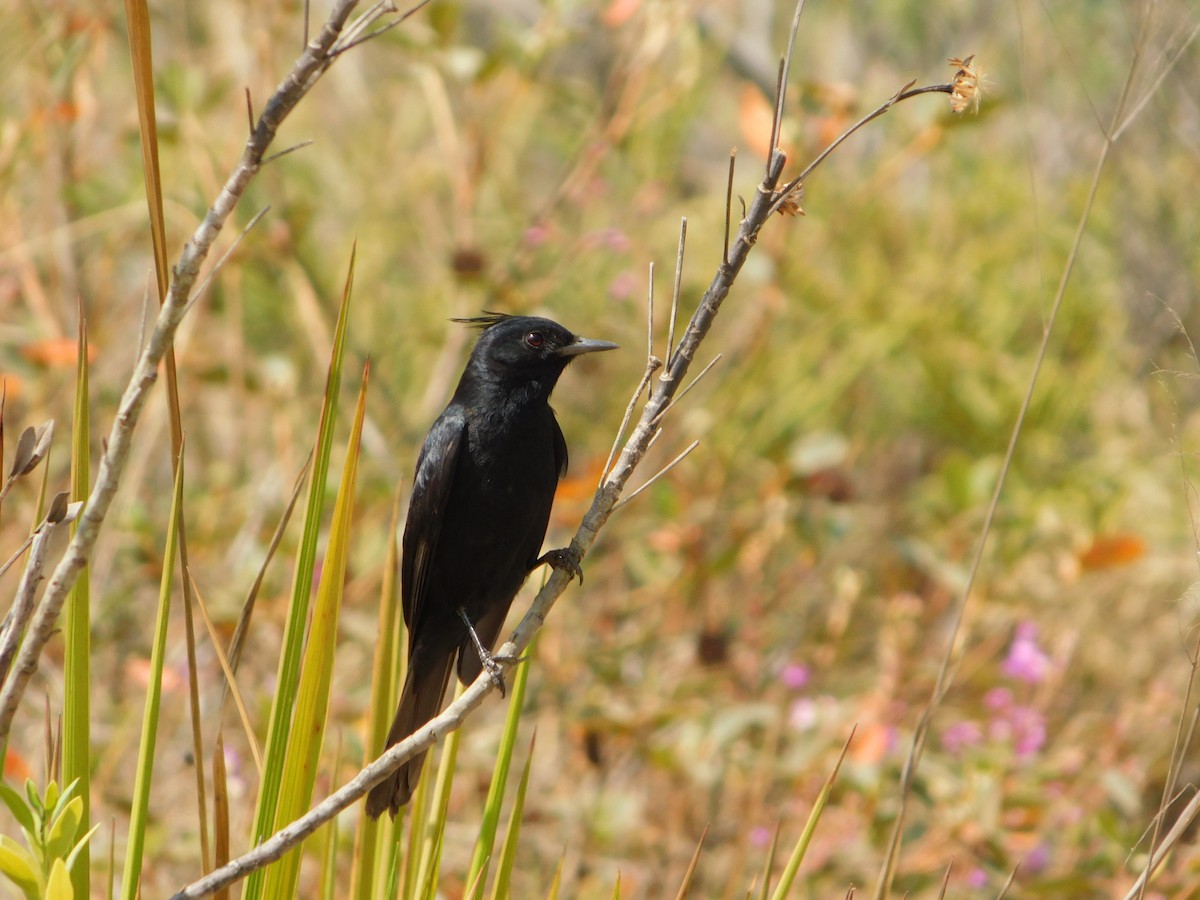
column 220, row 809
column 686, row 884
column 242, row 628
column 230, row 682
column 140, row 45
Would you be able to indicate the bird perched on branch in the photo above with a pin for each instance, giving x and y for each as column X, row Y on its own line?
column 477, row 517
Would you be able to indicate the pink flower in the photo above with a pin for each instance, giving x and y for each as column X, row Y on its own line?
column 1036, row 859
column 760, row 837
column 794, row 676
column 1026, row 661
column 961, row 735
column 998, row 699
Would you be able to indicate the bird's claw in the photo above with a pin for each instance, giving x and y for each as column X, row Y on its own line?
column 564, row 559
column 491, row 662
column 495, row 671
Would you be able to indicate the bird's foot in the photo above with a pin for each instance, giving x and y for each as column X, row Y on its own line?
column 490, row 662
column 564, row 559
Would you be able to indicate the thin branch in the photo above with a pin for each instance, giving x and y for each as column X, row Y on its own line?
column 785, row 66
column 691, row 384
column 729, row 202
column 905, row 93
column 292, row 149
column 675, row 289
column 31, row 578
column 225, row 257
column 649, row 314
column 653, row 364
column 385, row 7
column 657, row 475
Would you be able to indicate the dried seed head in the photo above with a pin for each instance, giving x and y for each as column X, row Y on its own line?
column 789, row 204
column 966, row 90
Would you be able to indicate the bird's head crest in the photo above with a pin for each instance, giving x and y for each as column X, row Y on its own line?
column 484, row 322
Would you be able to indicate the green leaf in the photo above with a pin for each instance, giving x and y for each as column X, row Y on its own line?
column 35, row 800
column 20, row 867
column 59, row 885
column 17, row 806
column 55, row 801
column 80, row 845
column 61, row 837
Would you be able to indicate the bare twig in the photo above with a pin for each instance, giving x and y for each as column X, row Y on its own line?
column 675, row 289
column 670, row 406
column 729, row 202
column 657, row 475
column 31, row 577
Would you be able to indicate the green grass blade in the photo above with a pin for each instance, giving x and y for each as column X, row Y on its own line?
column 419, row 817
column 769, row 864
column 145, row 768
column 279, row 727
column 485, row 843
column 329, row 873
column 376, row 834
column 77, row 665
column 502, row 888
column 556, row 884
column 316, row 676
column 810, row 828
column 431, row 850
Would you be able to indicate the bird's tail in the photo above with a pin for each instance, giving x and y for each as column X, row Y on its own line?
column 420, row 701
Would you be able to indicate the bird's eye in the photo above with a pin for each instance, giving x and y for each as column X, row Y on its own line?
column 534, row 340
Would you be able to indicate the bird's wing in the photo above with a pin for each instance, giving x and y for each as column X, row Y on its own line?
column 427, row 510
column 560, row 449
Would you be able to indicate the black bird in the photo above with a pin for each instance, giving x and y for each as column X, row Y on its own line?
column 477, row 517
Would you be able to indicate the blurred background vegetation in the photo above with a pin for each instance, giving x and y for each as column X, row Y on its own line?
column 794, row 576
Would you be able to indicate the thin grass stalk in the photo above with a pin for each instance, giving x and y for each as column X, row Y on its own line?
column 329, row 874
column 316, row 676
column 768, row 865
column 139, row 810
column 140, row 46
column 486, row 842
column 77, row 650
column 374, row 834
column 279, row 728
column 556, row 884
column 220, row 809
column 502, row 886
column 431, row 847
column 419, row 813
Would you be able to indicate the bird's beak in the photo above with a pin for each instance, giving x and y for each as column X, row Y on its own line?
column 585, row 345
